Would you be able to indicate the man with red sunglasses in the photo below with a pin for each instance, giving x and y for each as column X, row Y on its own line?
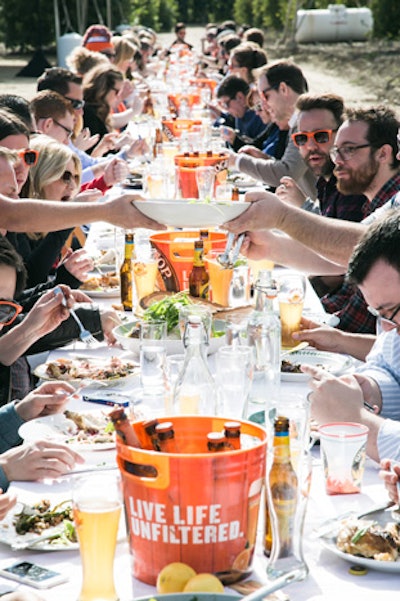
column 318, row 120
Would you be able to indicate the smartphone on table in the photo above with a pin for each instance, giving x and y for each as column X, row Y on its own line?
column 32, row 574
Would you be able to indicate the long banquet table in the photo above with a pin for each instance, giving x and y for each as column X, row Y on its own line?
column 329, row 576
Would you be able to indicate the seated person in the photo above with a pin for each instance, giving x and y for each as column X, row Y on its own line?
column 232, row 94
column 375, row 268
column 45, row 326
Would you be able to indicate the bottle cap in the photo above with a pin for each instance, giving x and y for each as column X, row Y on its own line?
column 358, row 570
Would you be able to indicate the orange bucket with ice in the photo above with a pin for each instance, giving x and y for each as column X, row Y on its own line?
column 186, row 165
column 173, row 128
column 175, row 255
column 196, row 507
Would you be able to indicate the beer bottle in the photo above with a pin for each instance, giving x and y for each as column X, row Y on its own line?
column 235, row 193
column 123, row 427
column 282, row 484
column 166, row 437
column 148, row 106
column 150, row 429
column 216, row 442
column 198, row 277
column 232, row 433
column 204, row 235
column 158, row 140
column 126, row 275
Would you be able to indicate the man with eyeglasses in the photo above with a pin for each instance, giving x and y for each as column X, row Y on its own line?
column 375, row 268
column 54, row 115
column 319, row 118
column 366, row 162
column 279, row 87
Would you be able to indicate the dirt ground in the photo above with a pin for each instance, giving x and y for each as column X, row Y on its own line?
column 364, row 73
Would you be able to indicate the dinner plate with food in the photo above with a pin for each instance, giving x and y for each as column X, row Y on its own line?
column 77, row 370
column 371, row 543
column 40, row 526
column 334, row 363
column 81, row 430
column 102, row 286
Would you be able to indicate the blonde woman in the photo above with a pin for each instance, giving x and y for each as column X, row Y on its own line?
column 55, row 176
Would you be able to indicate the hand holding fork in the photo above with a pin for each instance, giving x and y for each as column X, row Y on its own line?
column 84, row 334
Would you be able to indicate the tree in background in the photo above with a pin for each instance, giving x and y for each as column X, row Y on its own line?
column 386, row 18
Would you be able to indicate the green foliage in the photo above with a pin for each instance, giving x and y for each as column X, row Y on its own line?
column 386, row 18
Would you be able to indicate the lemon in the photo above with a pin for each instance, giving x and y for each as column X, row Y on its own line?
column 204, row 583
column 173, row 577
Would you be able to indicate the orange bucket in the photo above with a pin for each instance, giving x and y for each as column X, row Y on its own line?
column 173, row 128
column 200, row 508
column 176, row 252
column 191, row 98
column 186, row 165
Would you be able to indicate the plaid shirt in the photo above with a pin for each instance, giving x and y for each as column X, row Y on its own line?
column 340, row 206
column 347, row 302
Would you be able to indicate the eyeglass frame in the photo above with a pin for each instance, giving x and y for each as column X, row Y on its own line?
column 17, row 310
column 381, row 317
column 335, row 151
column 257, row 107
column 312, row 134
column 67, row 177
column 22, row 154
column 68, row 131
column 76, row 104
column 225, row 105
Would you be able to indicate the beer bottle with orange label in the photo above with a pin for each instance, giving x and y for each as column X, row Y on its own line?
column 126, row 275
column 198, row 277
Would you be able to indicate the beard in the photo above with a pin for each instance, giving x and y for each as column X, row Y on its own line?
column 325, row 169
column 360, row 179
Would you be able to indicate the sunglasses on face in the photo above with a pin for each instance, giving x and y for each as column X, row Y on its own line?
column 321, row 136
column 266, row 91
column 8, row 312
column 76, row 104
column 29, row 156
column 70, row 178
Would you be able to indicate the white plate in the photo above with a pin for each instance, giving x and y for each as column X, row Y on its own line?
column 40, row 372
column 174, row 346
column 372, row 564
column 331, row 362
column 190, row 213
column 58, row 428
column 9, row 536
column 103, row 292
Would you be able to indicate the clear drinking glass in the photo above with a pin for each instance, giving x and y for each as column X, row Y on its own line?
column 291, row 295
column 205, row 179
column 97, row 504
column 234, row 375
column 153, row 355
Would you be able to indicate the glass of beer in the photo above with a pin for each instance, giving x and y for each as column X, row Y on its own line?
column 292, row 290
column 145, row 269
column 220, row 279
column 97, row 504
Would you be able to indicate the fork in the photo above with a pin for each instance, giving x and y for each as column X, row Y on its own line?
column 84, row 334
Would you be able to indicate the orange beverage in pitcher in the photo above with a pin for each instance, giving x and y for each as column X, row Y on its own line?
column 220, row 280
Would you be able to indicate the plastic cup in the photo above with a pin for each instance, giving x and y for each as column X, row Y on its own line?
column 343, row 451
column 291, row 296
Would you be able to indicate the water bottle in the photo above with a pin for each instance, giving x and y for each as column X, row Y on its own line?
column 264, row 335
column 195, row 389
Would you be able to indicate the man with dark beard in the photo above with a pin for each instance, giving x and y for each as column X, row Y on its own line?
column 319, row 118
column 365, row 162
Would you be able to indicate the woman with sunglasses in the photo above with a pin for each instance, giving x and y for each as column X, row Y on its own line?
column 55, row 176
column 44, row 323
